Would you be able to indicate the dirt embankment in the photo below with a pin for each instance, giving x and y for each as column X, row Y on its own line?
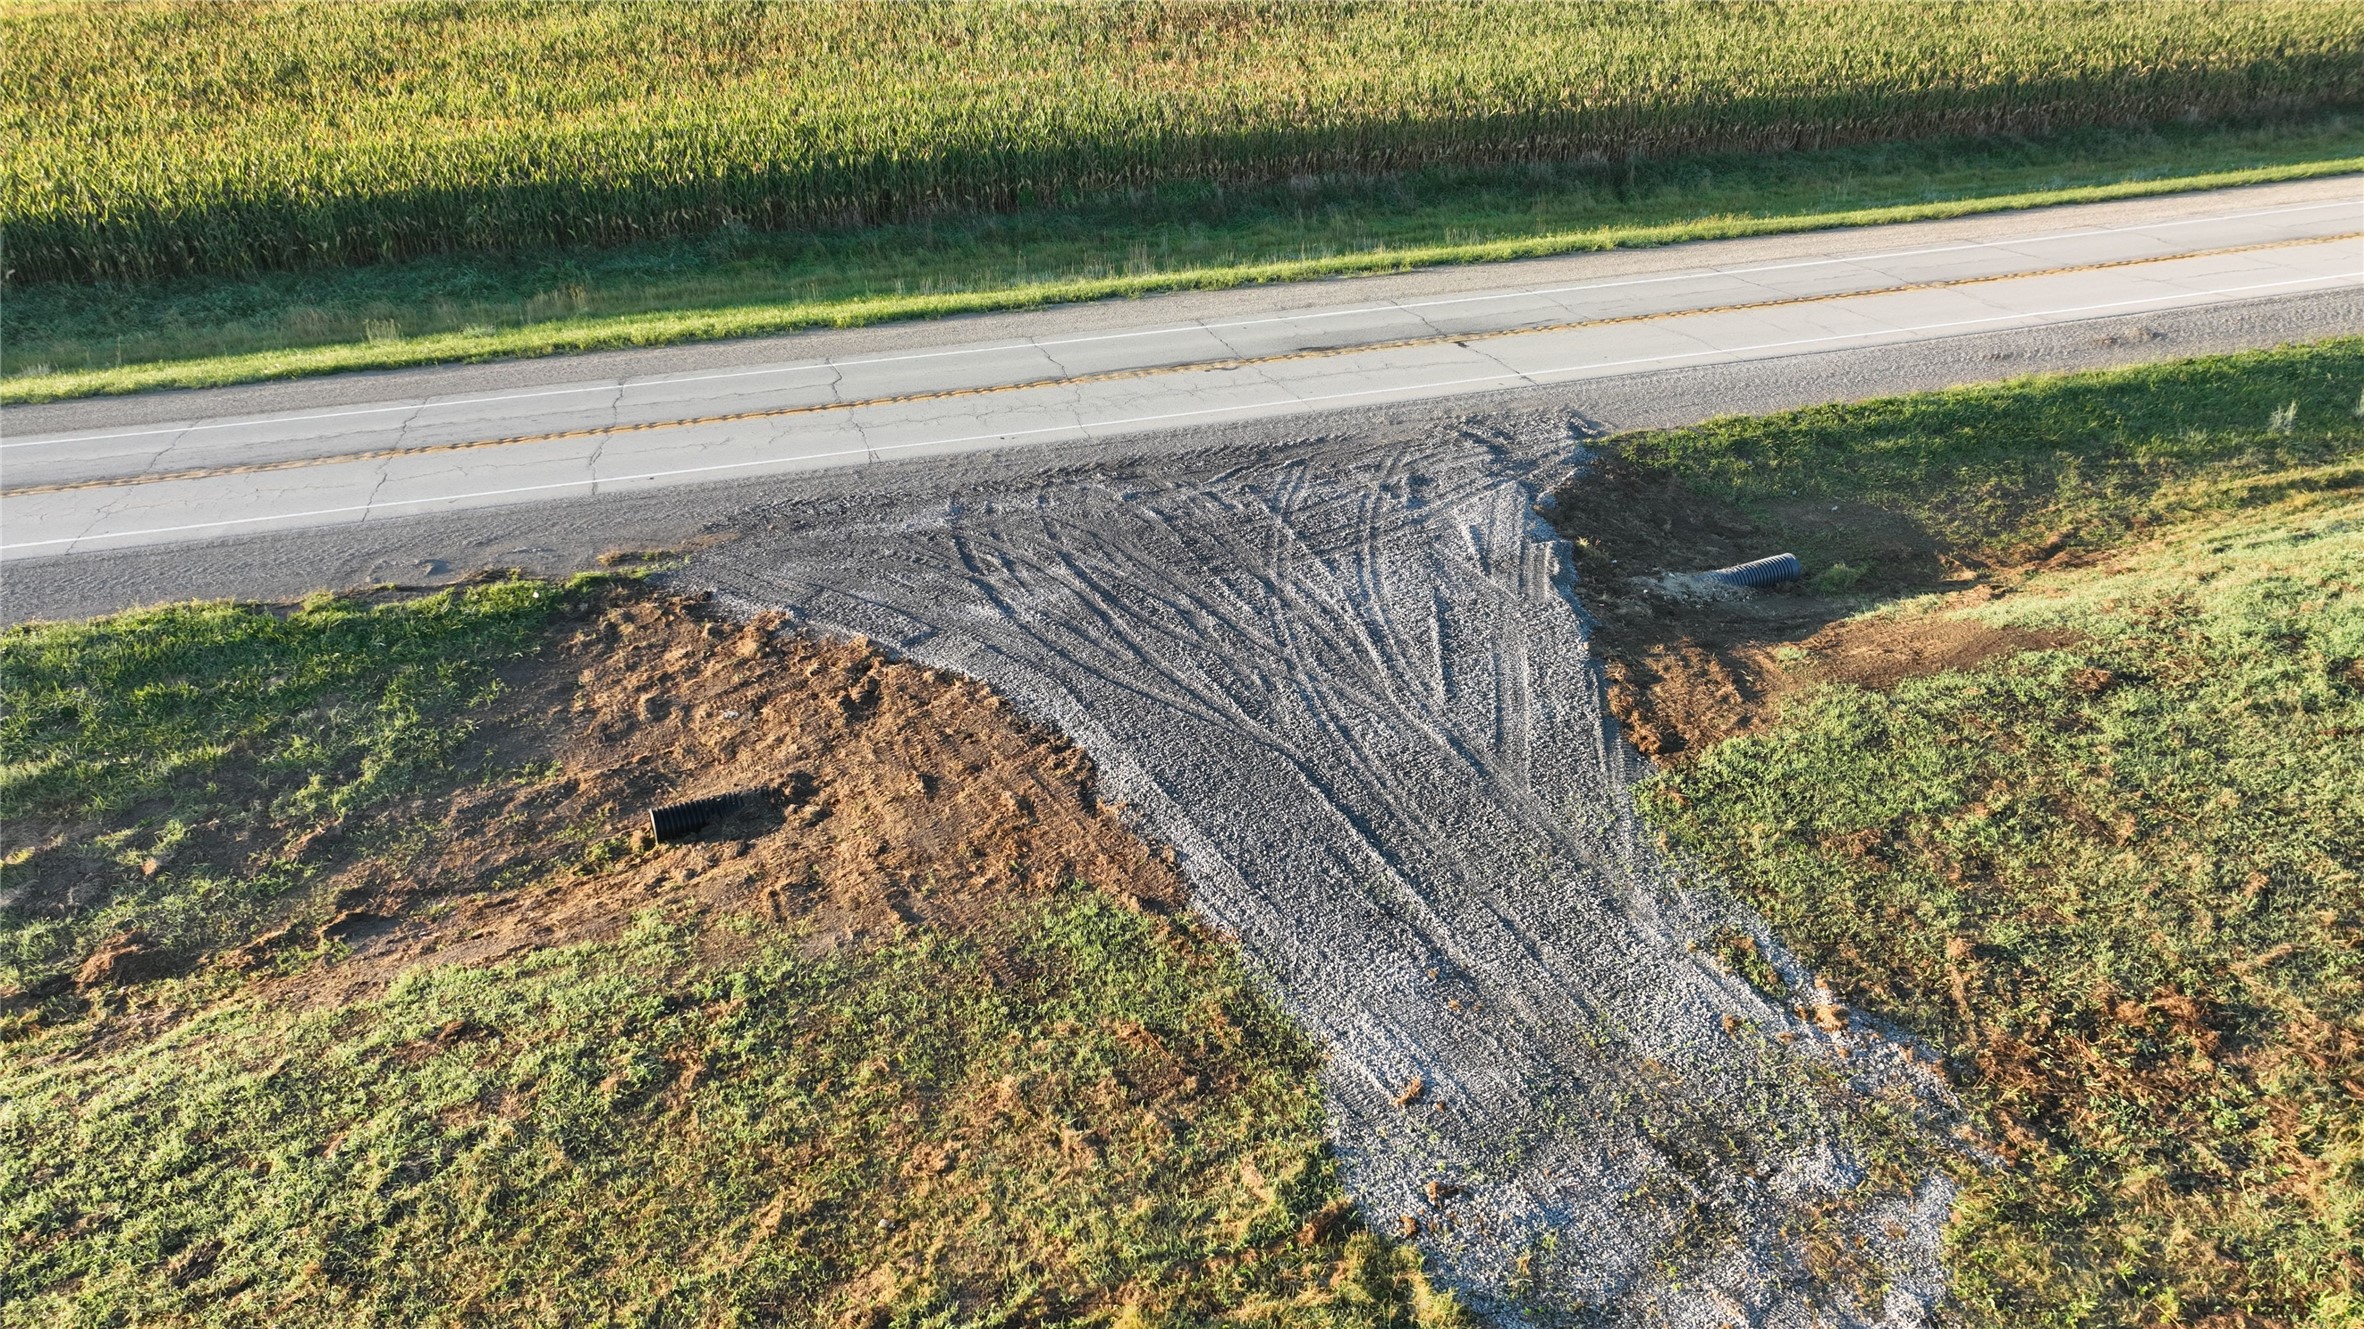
column 881, row 793
column 1688, row 668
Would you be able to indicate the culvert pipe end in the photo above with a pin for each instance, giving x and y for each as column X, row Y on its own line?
column 1760, row 572
column 674, row 821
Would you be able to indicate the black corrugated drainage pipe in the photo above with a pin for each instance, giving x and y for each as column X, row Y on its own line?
column 674, row 821
column 1762, row 572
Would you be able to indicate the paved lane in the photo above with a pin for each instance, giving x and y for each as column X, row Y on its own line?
column 144, row 480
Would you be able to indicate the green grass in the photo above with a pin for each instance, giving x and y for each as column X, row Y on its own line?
column 1987, row 474
column 1063, row 1110
column 2118, row 882
column 68, row 340
column 154, row 139
column 172, row 733
column 690, row 1126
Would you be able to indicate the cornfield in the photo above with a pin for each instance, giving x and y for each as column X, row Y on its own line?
column 152, row 140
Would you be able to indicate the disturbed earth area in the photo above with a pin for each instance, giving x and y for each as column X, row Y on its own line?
column 906, row 795
column 1350, row 684
column 1691, row 663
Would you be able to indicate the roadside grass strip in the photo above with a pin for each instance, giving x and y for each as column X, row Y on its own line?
column 130, row 733
column 1992, row 474
column 455, row 311
column 693, row 1121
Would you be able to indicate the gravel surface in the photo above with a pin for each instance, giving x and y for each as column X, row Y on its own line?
column 1349, row 683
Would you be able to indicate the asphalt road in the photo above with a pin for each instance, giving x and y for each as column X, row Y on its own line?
column 180, row 467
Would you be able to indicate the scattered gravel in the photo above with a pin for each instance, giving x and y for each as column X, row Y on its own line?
column 1348, row 681
column 1687, row 587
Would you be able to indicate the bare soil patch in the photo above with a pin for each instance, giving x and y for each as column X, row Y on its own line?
column 1679, row 697
column 880, row 794
column 1687, row 670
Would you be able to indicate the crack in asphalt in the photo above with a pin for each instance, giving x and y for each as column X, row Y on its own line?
column 1057, row 365
column 156, row 458
column 615, row 416
column 1258, row 365
column 403, row 426
column 369, row 502
column 97, row 518
column 1490, row 357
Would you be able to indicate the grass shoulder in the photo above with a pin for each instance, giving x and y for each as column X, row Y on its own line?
column 2064, row 783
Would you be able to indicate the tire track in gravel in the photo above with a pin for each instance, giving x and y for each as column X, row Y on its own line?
column 1351, row 687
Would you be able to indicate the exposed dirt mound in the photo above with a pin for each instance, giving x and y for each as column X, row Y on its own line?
column 879, row 793
column 1881, row 653
column 126, row 957
column 1688, row 669
column 1679, row 697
